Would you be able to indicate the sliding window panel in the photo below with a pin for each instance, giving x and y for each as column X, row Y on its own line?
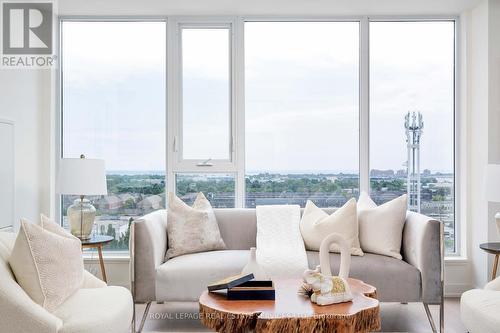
column 218, row 188
column 301, row 112
column 412, row 69
column 206, row 94
column 113, row 108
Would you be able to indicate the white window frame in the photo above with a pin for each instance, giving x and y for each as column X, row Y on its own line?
column 195, row 165
column 56, row 204
column 459, row 131
column 236, row 164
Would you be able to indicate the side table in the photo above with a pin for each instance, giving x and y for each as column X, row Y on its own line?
column 492, row 248
column 97, row 242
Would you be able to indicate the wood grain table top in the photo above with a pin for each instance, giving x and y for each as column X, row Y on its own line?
column 292, row 311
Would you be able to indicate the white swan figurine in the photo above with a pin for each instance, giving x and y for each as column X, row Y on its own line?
column 328, row 289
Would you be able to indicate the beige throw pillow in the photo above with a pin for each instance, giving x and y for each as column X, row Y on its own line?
column 191, row 229
column 381, row 227
column 47, row 263
column 315, row 225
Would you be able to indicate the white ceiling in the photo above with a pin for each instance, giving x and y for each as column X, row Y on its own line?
column 265, row 7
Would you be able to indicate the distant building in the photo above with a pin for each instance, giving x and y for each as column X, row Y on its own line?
column 151, row 202
column 401, row 173
column 375, row 173
column 109, row 202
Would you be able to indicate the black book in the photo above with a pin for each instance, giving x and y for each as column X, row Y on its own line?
column 230, row 282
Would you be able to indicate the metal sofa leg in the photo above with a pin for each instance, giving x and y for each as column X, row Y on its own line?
column 431, row 320
column 441, row 316
column 144, row 316
column 132, row 327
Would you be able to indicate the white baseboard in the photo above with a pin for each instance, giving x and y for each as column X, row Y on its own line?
column 456, row 289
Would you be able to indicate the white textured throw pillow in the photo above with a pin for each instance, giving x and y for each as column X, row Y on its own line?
column 47, row 263
column 191, row 229
column 381, row 227
column 315, row 225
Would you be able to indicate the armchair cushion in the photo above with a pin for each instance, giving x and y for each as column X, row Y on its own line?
column 479, row 311
column 97, row 310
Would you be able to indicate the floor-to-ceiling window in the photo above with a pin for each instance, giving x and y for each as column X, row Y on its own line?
column 301, row 112
column 412, row 70
column 261, row 112
column 113, row 107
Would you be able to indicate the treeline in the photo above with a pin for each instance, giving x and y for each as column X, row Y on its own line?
column 262, row 183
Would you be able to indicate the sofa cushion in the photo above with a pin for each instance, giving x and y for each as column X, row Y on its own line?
column 395, row 280
column 47, row 263
column 185, row 277
column 97, row 310
column 238, row 227
column 191, row 229
column 316, row 225
column 381, row 227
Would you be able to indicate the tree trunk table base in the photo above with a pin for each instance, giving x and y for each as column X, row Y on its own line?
column 291, row 312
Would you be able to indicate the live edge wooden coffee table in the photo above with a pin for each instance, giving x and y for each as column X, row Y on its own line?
column 291, row 312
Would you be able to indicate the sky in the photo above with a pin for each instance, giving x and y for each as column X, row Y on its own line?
column 301, row 94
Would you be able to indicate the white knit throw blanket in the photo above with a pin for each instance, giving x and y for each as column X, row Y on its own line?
column 280, row 249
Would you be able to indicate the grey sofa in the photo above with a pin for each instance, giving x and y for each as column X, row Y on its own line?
column 416, row 278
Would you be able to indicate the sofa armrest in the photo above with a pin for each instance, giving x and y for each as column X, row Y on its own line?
column 148, row 245
column 423, row 249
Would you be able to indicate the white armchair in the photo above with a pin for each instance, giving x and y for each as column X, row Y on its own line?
column 94, row 308
column 480, row 308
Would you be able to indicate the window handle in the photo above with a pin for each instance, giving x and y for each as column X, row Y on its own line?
column 176, row 145
column 205, row 163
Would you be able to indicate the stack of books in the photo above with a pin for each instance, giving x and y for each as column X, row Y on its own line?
column 243, row 287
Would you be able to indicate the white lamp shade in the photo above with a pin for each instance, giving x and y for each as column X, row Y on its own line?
column 492, row 182
column 82, row 176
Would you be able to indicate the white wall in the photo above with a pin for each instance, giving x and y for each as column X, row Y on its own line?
column 477, row 107
column 264, row 7
column 493, row 109
column 25, row 99
column 483, row 126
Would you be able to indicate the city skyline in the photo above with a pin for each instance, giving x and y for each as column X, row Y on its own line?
column 254, row 172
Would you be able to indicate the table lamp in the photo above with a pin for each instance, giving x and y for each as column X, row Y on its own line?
column 81, row 176
column 492, row 188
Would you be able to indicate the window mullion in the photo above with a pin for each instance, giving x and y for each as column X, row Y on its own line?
column 239, row 110
column 172, row 101
column 364, row 125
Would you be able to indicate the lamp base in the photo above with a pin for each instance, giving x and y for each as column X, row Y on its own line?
column 81, row 216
